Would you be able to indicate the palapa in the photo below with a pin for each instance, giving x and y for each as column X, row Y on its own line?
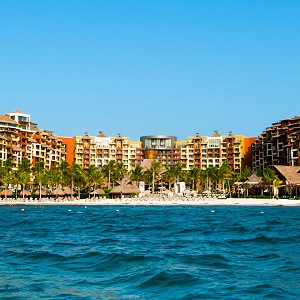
column 125, row 187
column 8, row 193
column 290, row 174
column 26, row 193
column 58, row 192
column 254, row 180
column 44, row 191
column 67, row 190
column 98, row 191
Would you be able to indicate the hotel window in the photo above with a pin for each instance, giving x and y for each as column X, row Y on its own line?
column 214, row 143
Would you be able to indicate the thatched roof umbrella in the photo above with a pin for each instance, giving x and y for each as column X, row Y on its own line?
column 99, row 191
column 67, row 191
column 25, row 194
column 58, row 192
column 6, row 193
column 44, row 191
column 254, row 180
column 125, row 187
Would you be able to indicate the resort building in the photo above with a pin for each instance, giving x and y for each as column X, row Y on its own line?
column 197, row 152
column 99, row 150
column 20, row 138
column 278, row 144
column 162, row 148
column 212, row 151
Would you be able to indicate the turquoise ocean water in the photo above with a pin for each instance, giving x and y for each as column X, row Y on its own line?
column 148, row 252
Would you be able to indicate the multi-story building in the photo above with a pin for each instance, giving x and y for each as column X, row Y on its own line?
column 20, row 138
column 200, row 152
column 161, row 147
column 99, row 150
column 278, row 144
column 211, row 151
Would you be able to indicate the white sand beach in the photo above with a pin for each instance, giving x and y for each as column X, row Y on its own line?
column 157, row 200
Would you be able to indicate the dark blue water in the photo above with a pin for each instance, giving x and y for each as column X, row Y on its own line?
column 149, row 252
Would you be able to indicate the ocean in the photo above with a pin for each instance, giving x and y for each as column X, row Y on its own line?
column 149, row 252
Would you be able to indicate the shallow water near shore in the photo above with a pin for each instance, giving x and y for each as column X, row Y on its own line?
column 149, row 252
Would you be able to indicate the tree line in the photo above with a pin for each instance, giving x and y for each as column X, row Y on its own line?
column 214, row 179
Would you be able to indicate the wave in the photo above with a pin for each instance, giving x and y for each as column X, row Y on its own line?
column 262, row 239
column 168, row 279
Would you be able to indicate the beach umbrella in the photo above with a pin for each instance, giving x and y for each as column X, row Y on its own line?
column 44, row 191
column 26, row 193
column 98, row 191
column 67, row 191
column 58, row 192
column 125, row 189
column 8, row 193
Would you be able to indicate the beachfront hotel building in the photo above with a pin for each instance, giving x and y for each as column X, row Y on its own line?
column 278, row 144
column 197, row 152
column 212, row 151
column 162, row 148
column 98, row 150
column 20, row 138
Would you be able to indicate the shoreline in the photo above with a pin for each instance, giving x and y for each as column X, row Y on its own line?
column 154, row 201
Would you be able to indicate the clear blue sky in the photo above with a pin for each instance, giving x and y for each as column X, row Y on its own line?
column 151, row 67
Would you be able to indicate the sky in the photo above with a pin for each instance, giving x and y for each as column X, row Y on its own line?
column 150, row 67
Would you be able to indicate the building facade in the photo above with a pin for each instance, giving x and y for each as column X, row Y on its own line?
column 99, row 150
column 197, row 152
column 212, row 151
column 278, row 144
column 20, row 139
column 162, row 148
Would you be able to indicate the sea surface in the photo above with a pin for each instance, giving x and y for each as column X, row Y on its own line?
column 148, row 252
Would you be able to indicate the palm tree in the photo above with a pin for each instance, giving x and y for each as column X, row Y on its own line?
column 53, row 178
column 202, row 179
column 8, row 164
column 6, row 169
column 246, row 172
column 195, row 175
column 277, row 183
column 108, row 170
column 25, row 165
column 63, row 170
column 185, row 176
column 40, row 176
column 95, row 177
column 268, row 177
column 169, row 176
column 119, row 173
column 154, row 171
column 224, row 173
column 211, row 177
column 75, row 173
column 6, row 179
column 177, row 171
column 246, row 187
column 23, row 178
column 137, row 174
